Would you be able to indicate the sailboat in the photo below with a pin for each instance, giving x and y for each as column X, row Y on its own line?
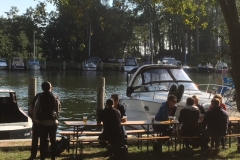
column 34, row 64
column 89, row 65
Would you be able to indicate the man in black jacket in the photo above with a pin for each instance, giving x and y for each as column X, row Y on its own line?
column 112, row 131
column 216, row 123
column 46, row 113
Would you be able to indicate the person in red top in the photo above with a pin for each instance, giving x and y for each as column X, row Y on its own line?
column 219, row 96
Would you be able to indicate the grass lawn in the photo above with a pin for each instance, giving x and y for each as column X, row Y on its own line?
column 21, row 150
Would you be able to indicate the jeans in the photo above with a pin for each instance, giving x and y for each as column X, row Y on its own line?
column 35, row 135
column 45, row 132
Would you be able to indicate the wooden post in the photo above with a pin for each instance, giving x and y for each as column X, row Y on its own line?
column 27, row 64
column 31, row 89
column 120, row 66
column 44, row 65
column 100, row 95
column 64, row 65
column 9, row 65
column 101, row 66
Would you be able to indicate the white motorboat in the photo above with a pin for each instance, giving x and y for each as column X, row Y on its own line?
column 205, row 67
column 34, row 64
column 18, row 63
column 3, row 64
column 221, row 67
column 89, row 66
column 171, row 61
column 130, row 64
column 14, row 122
column 149, row 86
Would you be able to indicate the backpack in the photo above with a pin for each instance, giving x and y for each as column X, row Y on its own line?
column 61, row 144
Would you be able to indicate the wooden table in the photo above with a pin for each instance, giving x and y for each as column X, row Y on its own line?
column 145, row 125
column 236, row 119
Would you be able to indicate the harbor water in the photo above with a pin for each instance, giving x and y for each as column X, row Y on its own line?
column 78, row 89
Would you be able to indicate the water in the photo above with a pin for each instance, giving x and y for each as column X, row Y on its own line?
column 77, row 89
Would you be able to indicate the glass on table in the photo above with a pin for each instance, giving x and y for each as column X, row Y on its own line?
column 84, row 119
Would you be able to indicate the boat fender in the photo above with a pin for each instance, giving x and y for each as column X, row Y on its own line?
column 179, row 92
column 130, row 90
column 172, row 89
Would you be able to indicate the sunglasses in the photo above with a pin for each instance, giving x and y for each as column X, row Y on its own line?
column 174, row 101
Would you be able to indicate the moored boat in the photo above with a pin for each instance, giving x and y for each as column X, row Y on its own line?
column 205, row 68
column 89, row 66
column 17, row 63
column 34, row 64
column 14, row 122
column 149, row 86
column 131, row 63
column 221, row 67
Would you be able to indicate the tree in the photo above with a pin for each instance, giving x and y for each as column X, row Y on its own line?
column 230, row 13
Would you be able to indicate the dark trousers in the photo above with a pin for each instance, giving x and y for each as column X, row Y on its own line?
column 35, row 135
column 45, row 132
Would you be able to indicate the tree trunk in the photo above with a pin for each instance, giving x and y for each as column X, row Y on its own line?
column 231, row 17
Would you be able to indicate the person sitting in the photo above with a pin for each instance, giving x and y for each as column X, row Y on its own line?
column 112, row 131
column 219, row 96
column 168, row 108
column 189, row 116
column 196, row 100
column 215, row 124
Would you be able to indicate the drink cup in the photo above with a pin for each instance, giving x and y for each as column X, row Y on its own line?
column 124, row 118
column 152, row 118
column 84, row 119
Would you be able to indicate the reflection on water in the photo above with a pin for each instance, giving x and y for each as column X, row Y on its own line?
column 76, row 89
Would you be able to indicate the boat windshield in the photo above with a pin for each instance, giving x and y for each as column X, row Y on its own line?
column 162, row 79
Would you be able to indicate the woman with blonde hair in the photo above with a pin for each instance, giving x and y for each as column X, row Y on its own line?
column 219, row 96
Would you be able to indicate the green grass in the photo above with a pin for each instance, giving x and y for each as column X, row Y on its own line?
column 94, row 152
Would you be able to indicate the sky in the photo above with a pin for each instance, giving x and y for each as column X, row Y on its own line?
column 22, row 5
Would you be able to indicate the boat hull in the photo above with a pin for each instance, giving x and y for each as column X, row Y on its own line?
column 205, row 70
column 129, row 68
column 34, row 67
column 15, row 132
column 89, row 67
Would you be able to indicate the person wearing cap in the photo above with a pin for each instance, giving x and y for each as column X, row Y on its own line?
column 112, row 132
column 46, row 114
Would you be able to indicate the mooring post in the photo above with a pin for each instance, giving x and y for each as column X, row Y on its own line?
column 120, row 66
column 9, row 65
column 44, row 66
column 100, row 95
column 101, row 66
column 31, row 90
column 64, row 65
column 27, row 64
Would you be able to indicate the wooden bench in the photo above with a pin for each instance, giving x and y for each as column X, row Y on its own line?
column 84, row 141
column 70, row 134
column 196, row 137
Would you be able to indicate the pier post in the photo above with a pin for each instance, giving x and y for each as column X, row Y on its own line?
column 27, row 64
column 64, row 65
column 120, row 66
column 44, row 65
column 9, row 65
column 100, row 95
column 31, row 89
column 101, row 66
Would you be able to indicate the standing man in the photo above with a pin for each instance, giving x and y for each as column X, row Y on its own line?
column 112, row 131
column 46, row 114
column 167, row 109
column 216, row 124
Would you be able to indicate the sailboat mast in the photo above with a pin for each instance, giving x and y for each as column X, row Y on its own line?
column 89, row 42
column 33, row 45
